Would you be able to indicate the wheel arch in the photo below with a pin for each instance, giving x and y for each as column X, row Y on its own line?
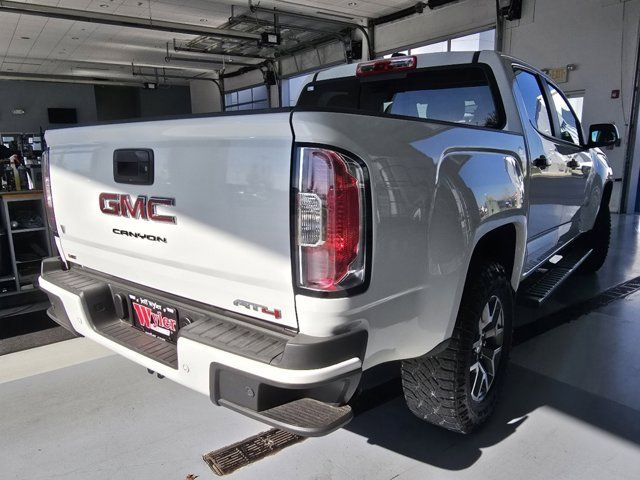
column 504, row 241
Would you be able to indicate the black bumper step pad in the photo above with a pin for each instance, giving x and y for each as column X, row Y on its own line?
column 306, row 417
column 249, row 341
column 154, row 348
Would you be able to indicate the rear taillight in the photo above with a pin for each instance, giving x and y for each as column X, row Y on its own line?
column 387, row 65
column 48, row 199
column 330, row 220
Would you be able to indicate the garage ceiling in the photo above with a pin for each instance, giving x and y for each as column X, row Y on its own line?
column 49, row 46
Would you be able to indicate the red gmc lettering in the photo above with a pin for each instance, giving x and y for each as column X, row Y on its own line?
column 110, row 203
column 146, row 209
column 138, row 209
column 151, row 209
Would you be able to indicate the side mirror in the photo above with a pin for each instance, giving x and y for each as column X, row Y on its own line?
column 603, row 135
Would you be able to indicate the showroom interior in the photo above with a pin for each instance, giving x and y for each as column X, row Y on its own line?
column 71, row 408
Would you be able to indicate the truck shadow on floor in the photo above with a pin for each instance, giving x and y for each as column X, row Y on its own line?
column 393, row 427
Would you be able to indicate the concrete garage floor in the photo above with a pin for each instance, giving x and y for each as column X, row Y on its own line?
column 570, row 410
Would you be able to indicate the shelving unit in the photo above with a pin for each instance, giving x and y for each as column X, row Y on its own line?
column 22, row 248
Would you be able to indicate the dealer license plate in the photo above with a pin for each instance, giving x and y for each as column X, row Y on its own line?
column 155, row 318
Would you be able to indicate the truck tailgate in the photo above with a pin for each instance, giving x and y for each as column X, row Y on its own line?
column 230, row 179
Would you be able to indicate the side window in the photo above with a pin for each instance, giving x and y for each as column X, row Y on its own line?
column 569, row 124
column 535, row 102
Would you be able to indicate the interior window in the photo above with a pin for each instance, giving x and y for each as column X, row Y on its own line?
column 569, row 124
column 456, row 95
column 535, row 102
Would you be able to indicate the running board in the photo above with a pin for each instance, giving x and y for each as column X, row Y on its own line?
column 305, row 417
column 543, row 286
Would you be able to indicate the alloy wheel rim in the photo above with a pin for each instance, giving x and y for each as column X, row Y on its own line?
column 487, row 349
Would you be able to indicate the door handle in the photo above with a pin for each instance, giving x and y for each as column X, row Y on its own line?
column 541, row 162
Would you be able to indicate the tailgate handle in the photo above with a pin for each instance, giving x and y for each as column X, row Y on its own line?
column 133, row 166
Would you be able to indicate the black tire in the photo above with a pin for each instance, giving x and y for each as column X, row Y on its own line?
column 438, row 388
column 597, row 239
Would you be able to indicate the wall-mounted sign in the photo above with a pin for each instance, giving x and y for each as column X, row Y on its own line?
column 558, row 75
column 18, row 111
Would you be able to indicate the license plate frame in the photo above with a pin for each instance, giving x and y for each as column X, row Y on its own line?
column 155, row 318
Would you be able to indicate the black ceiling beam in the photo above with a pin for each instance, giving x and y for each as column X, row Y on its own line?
column 400, row 14
column 416, row 9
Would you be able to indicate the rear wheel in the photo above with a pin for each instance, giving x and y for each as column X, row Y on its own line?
column 598, row 240
column 457, row 389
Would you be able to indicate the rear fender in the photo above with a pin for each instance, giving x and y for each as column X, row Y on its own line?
column 477, row 191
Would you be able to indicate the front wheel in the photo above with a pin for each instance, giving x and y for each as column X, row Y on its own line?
column 458, row 388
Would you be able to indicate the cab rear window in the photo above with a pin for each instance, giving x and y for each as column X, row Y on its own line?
column 464, row 95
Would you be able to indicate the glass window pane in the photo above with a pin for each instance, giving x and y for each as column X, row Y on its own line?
column 535, row 102
column 577, row 103
column 433, row 48
column 244, row 96
column 487, row 40
column 569, row 125
column 260, row 93
column 231, row 98
column 285, row 101
column 260, row 105
column 470, row 43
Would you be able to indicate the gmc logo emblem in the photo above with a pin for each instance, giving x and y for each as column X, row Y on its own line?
column 142, row 207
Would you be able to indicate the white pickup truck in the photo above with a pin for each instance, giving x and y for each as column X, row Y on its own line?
column 267, row 259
